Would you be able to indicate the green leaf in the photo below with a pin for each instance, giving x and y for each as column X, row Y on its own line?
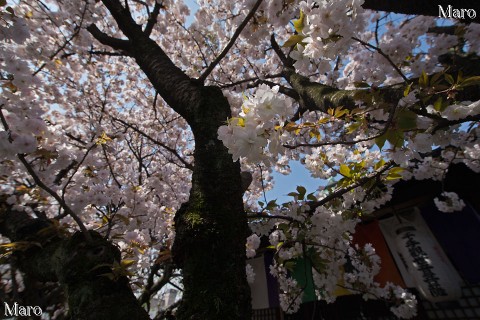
column 395, row 138
column 379, row 164
column 435, row 78
column 340, row 112
column 290, row 265
column 299, row 23
column 439, row 105
column 470, row 81
column 293, row 40
column 279, row 245
column 460, row 77
column 345, row 170
column 423, row 80
column 353, row 127
column 271, row 204
column 407, row 120
column 261, row 204
column 396, row 170
column 291, row 126
column 311, row 197
column 394, row 173
column 380, row 141
column 393, row 176
column 449, row 78
column 407, row 90
column 3, row 3
column 301, row 192
column 127, row 262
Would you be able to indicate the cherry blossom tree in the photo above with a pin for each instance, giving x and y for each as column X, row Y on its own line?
column 137, row 147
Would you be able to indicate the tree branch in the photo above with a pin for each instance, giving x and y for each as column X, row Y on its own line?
column 152, row 19
column 154, row 288
column 175, row 87
column 123, row 18
column 287, row 62
column 105, row 39
column 353, row 142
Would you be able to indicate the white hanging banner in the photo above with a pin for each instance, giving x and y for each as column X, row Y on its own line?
column 427, row 267
column 259, row 288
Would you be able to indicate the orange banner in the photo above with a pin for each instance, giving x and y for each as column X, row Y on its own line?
column 371, row 233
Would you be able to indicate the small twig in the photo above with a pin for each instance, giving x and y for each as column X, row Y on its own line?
column 64, row 189
column 237, row 33
column 263, row 185
column 152, row 288
column 66, row 42
column 196, row 42
column 5, row 124
column 119, row 185
column 236, row 83
column 108, row 53
column 289, row 92
column 264, row 216
column 380, row 51
column 163, row 313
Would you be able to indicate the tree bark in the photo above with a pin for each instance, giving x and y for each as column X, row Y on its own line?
column 211, row 227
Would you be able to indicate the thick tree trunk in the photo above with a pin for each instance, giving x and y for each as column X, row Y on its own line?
column 74, row 263
column 211, row 227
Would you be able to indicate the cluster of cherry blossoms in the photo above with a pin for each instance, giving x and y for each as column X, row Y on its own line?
column 450, row 202
column 257, row 125
column 326, row 29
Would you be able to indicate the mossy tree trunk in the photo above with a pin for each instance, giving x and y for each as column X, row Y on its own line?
column 78, row 265
column 211, row 227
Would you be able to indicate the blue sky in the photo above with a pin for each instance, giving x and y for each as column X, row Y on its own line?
column 286, row 184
